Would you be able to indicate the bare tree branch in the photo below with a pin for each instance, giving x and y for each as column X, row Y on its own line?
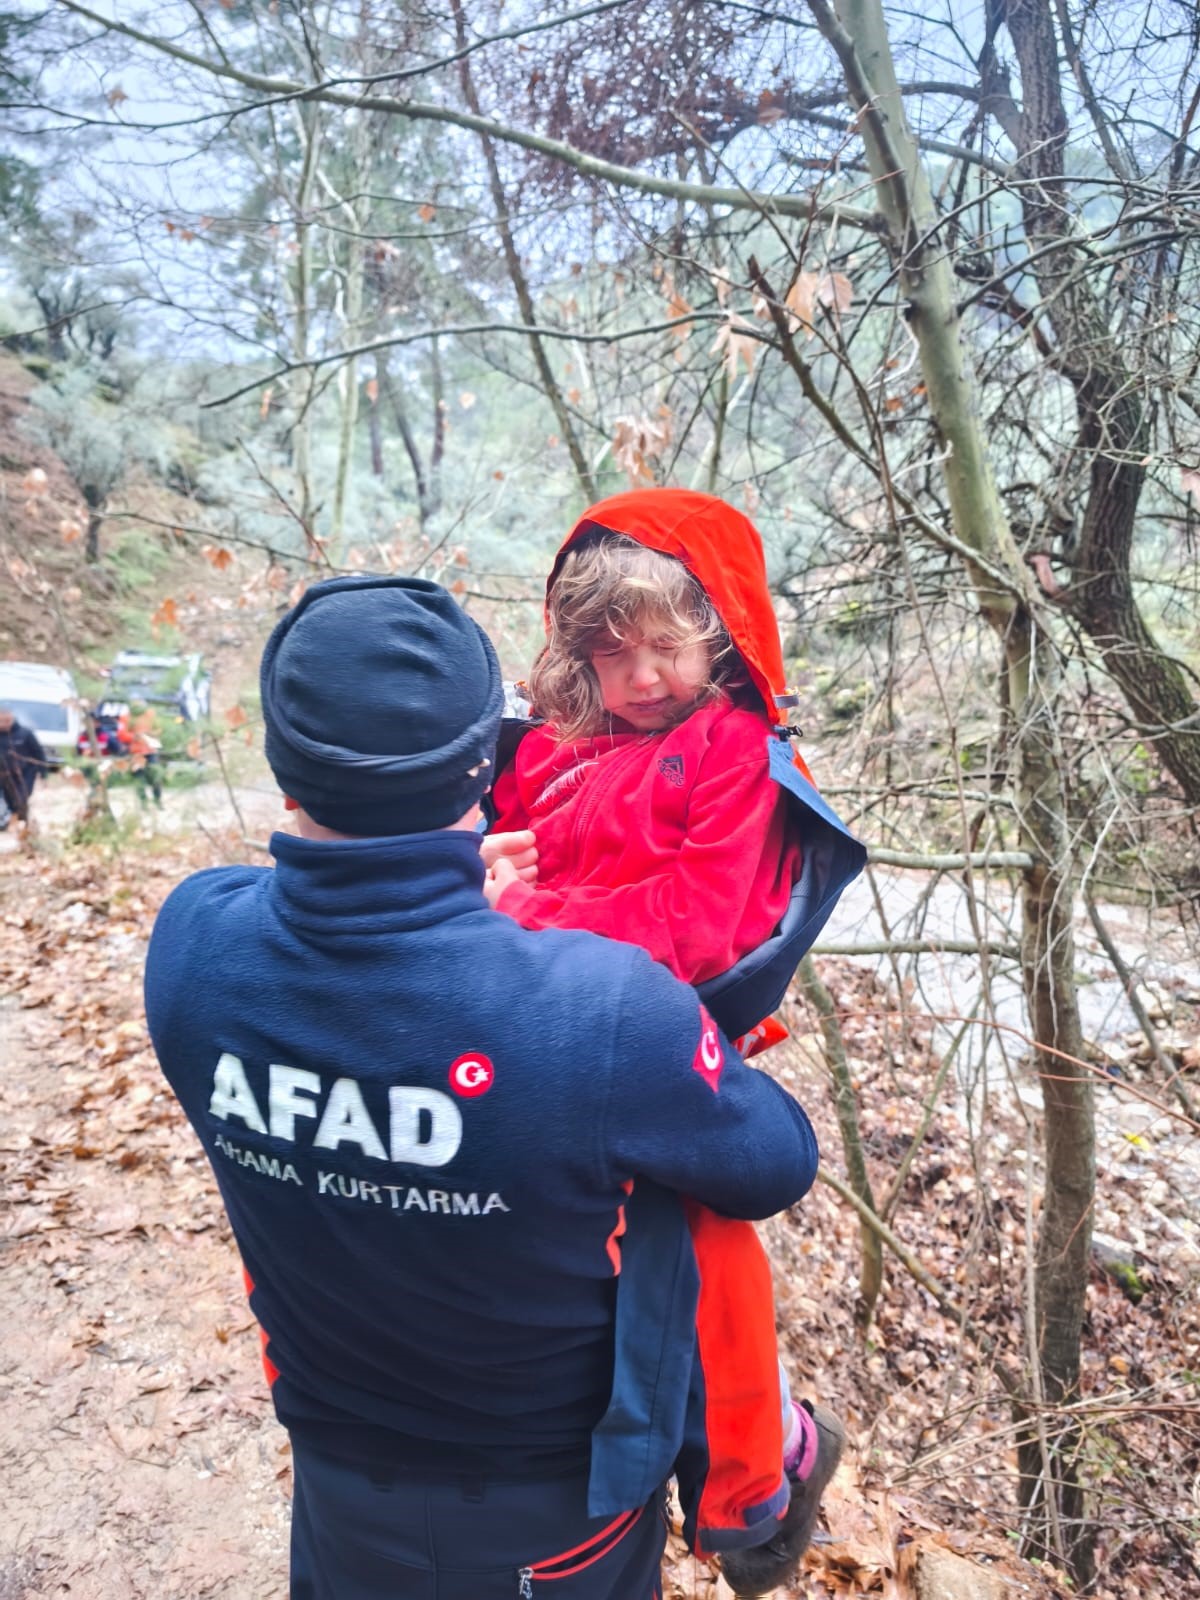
column 786, row 205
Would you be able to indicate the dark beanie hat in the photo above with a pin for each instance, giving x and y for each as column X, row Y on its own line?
column 382, row 701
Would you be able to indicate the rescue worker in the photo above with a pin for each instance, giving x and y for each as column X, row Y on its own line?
column 426, row 1123
column 22, row 763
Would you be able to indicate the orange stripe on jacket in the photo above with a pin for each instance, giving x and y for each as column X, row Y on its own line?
column 612, row 1243
column 269, row 1367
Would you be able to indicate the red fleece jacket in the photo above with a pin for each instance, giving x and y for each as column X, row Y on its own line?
column 674, row 841
column 679, row 842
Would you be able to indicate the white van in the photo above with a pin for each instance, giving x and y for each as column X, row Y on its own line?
column 46, row 700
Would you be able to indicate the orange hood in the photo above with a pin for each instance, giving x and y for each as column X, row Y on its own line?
column 723, row 552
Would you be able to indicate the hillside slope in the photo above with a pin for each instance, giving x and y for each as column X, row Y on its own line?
column 153, row 587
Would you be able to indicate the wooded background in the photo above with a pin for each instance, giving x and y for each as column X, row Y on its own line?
column 307, row 287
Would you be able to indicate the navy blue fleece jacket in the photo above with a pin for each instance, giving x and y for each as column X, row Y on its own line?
column 424, row 1121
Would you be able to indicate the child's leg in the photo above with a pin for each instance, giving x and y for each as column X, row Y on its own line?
column 731, row 1477
column 696, row 1353
column 762, row 1568
column 799, row 1431
column 755, row 1461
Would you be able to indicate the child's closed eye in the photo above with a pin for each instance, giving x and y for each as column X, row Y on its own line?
column 667, row 645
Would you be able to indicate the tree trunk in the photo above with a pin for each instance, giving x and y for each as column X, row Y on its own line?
column 1114, row 430
column 348, row 378
column 55, row 326
column 516, row 273
column 858, row 34
column 718, row 438
column 94, row 501
column 309, row 118
column 91, row 546
column 374, row 426
column 1153, row 683
column 870, row 1259
column 391, row 391
column 1050, row 1488
column 438, row 448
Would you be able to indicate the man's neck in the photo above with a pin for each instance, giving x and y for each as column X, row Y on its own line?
column 309, row 828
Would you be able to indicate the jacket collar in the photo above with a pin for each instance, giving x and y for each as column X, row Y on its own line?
column 376, row 885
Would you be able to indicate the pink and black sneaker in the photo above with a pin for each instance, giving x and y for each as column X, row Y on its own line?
column 811, row 1455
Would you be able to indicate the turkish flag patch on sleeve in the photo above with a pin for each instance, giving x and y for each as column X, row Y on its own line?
column 709, row 1060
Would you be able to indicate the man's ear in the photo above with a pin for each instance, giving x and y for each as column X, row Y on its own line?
column 289, row 804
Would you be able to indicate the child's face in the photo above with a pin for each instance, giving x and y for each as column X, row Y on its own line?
column 648, row 679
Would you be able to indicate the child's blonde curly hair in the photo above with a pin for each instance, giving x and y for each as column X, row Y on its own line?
column 609, row 587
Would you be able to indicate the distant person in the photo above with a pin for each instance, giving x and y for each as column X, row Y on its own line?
column 135, row 742
column 22, row 763
column 427, row 1124
column 656, row 802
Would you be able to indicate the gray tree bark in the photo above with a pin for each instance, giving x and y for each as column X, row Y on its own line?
column 858, row 33
column 1111, row 411
column 870, row 1258
column 516, row 273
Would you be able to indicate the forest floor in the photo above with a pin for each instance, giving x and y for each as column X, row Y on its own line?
column 138, row 1453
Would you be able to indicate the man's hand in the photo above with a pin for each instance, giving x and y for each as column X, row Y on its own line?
column 517, row 850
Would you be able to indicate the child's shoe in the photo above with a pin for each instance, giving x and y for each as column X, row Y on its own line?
column 809, row 1463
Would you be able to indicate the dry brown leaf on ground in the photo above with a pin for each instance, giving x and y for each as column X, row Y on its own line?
column 860, row 1556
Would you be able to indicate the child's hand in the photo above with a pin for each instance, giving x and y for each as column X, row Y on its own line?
column 518, row 850
column 498, row 878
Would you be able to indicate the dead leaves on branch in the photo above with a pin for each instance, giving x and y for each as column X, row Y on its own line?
column 830, row 291
column 738, row 341
column 639, row 443
column 679, row 310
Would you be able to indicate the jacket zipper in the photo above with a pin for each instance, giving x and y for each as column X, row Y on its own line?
column 591, row 803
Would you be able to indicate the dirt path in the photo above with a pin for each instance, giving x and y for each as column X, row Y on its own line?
column 138, row 1454
column 140, row 1460
column 200, row 807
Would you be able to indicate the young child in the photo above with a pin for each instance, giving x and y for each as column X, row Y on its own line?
column 644, row 808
